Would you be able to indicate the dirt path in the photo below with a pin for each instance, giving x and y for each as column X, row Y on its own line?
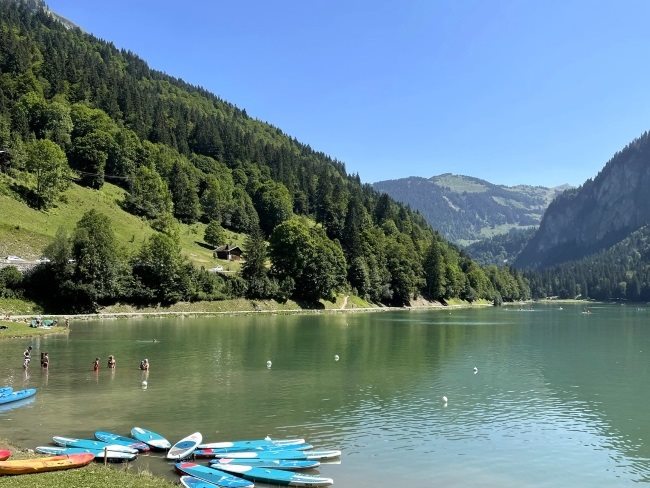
column 345, row 302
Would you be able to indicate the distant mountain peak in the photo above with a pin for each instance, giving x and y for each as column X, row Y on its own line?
column 466, row 209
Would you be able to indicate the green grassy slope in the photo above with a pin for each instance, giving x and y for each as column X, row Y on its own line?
column 25, row 231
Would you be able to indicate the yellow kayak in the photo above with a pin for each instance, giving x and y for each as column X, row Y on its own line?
column 40, row 465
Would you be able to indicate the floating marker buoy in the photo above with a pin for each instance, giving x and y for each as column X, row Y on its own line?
column 336, row 357
column 444, row 399
column 475, row 370
column 269, row 364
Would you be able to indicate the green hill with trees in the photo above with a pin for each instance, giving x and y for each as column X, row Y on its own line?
column 113, row 171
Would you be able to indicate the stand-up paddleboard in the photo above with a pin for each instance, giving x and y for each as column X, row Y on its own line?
column 90, row 444
column 276, row 476
column 5, row 390
column 211, row 451
column 284, row 454
column 111, row 438
column 4, row 454
column 14, row 396
column 285, row 464
column 214, row 476
column 40, row 465
column 192, row 482
column 250, row 445
column 185, row 447
column 113, row 456
column 149, row 437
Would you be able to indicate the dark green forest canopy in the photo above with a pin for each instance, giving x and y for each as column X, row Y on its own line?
column 183, row 154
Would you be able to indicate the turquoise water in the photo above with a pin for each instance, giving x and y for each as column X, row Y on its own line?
column 560, row 398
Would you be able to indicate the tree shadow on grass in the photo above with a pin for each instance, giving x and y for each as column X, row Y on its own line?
column 309, row 304
column 204, row 245
column 25, row 194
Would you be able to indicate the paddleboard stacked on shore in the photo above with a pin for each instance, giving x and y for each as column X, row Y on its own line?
column 236, row 464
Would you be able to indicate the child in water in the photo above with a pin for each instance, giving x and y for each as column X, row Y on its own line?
column 96, row 365
column 111, row 362
column 45, row 361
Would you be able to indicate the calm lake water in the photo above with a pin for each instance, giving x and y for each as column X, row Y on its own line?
column 560, row 399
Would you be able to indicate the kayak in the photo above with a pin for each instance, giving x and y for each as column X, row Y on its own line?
column 120, row 440
column 99, row 454
column 267, row 443
column 90, row 444
column 283, row 454
column 276, row 476
column 214, row 476
column 153, row 439
column 5, row 390
column 268, row 463
column 4, row 454
column 40, row 465
column 192, row 482
column 14, row 396
column 185, row 447
column 212, row 452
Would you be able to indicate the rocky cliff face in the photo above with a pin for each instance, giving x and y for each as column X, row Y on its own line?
column 598, row 214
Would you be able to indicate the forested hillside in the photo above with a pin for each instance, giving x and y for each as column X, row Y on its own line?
column 621, row 272
column 600, row 213
column 466, row 209
column 75, row 108
column 501, row 249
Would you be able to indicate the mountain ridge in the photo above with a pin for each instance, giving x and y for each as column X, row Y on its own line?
column 467, row 209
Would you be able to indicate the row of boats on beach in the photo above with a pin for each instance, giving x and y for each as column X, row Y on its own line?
column 235, row 464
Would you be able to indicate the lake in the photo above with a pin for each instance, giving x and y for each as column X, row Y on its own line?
column 560, row 398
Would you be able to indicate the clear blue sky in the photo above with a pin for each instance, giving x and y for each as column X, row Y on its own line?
column 535, row 92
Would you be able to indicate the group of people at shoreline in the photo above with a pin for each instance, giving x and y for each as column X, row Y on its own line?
column 45, row 361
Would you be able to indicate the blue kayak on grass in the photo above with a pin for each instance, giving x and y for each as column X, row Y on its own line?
column 90, row 444
column 149, row 437
column 99, row 454
column 283, row 454
column 214, row 476
column 285, row 464
column 14, row 396
column 257, row 444
column 111, row 438
column 5, row 390
column 276, row 476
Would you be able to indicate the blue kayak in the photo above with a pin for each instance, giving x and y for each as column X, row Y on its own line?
column 5, row 390
column 90, row 444
column 257, row 444
column 285, row 464
column 149, row 437
column 99, row 454
column 111, row 438
column 17, row 395
column 276, row 476
column 214, row 476
column 282, row 454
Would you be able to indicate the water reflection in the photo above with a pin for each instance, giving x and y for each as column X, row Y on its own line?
column 557, row 398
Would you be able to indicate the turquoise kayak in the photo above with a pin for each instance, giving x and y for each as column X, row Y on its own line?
column 149, row 437
column 90, row 444
column 214, row 476
column 111, row 438
column 285, row 464
column 257, row 444
column 276, row 476
column 283, row 454
column 99, row 454
column 17, row 395
column 5, row 390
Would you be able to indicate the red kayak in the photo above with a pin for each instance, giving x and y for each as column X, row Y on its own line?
column 4, row 454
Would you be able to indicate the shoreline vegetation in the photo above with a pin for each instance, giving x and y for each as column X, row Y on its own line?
column 92, row 476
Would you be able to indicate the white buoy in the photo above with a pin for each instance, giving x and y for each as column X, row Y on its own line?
column 444, row 400
column 269, row 364
column 336, row 357
column 475, row 370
